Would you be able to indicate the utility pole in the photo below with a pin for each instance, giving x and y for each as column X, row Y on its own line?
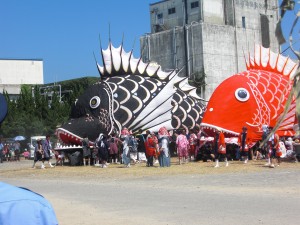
column 185, row 33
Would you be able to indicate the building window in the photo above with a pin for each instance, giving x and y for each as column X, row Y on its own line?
column 171, row 10
column 160, row 19
column 244, row 22
column 159, row 16
column 194, row 5
column 265, row 30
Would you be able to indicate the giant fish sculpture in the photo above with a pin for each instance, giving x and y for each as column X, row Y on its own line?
column 253, row 98
column 135, row 95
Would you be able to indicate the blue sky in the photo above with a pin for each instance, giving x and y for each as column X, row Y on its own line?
column 287, row 23
column 65, row 33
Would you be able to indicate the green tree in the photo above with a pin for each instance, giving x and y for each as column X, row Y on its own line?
column 36, row 113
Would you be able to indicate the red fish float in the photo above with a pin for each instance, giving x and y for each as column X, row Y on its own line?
column 253, row 98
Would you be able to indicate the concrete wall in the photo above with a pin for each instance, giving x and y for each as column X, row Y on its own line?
column 219, row 55
column 166, row 48
column 213, row 11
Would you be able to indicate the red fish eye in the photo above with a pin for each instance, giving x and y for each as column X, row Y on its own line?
column 242, row 94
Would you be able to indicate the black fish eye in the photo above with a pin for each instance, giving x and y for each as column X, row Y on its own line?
column 242, row 94
column 94, row 102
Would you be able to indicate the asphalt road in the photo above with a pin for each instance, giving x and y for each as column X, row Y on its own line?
column 270, row 196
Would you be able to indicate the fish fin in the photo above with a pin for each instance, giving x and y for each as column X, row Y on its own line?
column 116, row 62
column 265, row 59
column 153, row 110
column 286, row 120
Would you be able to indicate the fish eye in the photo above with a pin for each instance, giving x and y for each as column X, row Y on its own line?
column 242, row 94
column 94, row 102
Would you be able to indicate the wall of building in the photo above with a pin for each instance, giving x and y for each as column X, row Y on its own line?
column 217, row 44
column 15, row 72
column 219, row 55
column 167, row 21
column 196, row 13
column 166, row 48
column 213, row 11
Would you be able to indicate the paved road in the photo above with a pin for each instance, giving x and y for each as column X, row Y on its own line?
column 268, row 197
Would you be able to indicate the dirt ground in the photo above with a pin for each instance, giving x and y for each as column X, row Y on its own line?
column 192, row 193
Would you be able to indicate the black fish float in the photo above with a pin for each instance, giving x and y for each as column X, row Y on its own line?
column 135, row 95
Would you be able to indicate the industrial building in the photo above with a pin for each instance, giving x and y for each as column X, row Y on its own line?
column 208, row 38
column 15, row 72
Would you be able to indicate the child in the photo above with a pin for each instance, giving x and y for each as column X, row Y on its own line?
column 60, row 157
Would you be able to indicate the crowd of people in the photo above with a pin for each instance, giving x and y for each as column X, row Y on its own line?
column 271, row 148
column 158, row 147
column 129, row 149
column 9, row 151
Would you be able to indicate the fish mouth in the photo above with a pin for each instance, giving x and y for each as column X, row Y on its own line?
column 72, row 132
column 68, row 137
column 214, row 128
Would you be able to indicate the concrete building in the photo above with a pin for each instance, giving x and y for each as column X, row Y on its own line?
column 208, row 37
column 15, row 72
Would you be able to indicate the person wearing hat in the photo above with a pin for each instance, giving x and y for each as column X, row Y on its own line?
column 126, row 153
column 164, row 153
column 243, row 142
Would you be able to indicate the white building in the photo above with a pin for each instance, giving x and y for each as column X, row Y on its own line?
column 15, row 72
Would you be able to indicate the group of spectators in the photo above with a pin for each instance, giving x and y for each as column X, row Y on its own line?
column 9, row 151
column 153, row 148
column 106, row 150
column 271, row 148
column 149, row 147
column 158, row 147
